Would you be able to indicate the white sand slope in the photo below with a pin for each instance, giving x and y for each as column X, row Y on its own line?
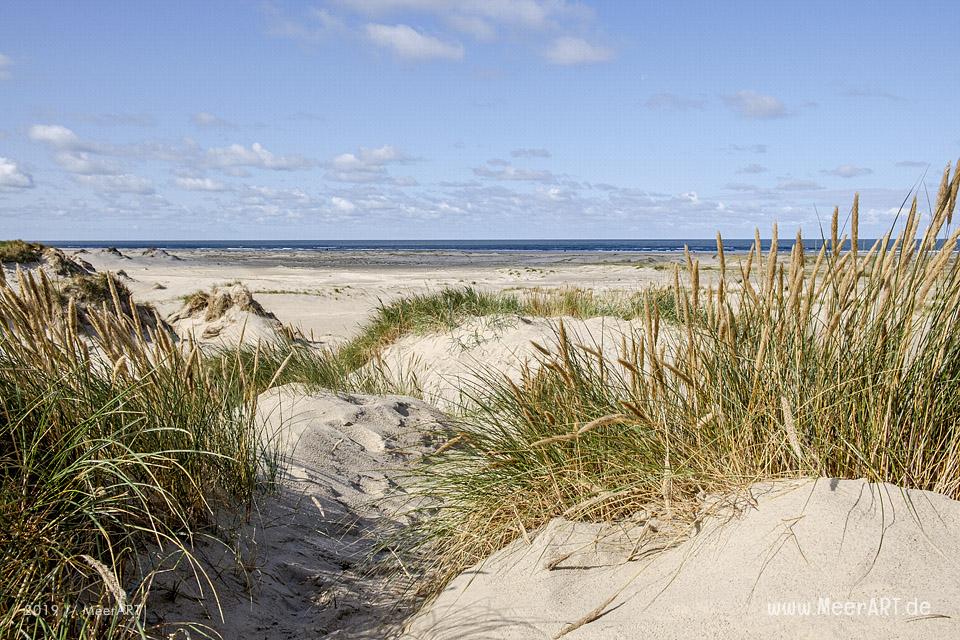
column 226, row 315
column 445, row 364
column 823, row 559
column 303, row 549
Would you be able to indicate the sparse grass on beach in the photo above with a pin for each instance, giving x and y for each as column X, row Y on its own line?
column 449, row 308
column 850, row 369
column 111, row 447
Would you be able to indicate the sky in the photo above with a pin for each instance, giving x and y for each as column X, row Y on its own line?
column 485, row 119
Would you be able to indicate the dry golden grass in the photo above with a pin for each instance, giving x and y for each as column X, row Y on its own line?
column 111, row 440
column 845, row 364
column 18, row 251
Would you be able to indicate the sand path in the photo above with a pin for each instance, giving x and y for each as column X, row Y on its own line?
column 300, row 567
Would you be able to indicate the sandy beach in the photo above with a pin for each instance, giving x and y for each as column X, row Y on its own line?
column 399, row 357
column 347, row 456
column 330, row 294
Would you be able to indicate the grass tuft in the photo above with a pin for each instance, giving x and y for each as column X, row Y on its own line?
column 18, row 251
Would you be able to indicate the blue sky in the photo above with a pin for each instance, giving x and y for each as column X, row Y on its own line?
column 470, row 119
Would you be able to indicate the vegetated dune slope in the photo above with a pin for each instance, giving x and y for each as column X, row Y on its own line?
column 805, row 559
column 445, row 364
column 801, row 559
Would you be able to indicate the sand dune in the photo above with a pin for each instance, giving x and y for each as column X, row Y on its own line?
column 225, row 315
column 801, row 559
column 446, row 364
column 812, row 559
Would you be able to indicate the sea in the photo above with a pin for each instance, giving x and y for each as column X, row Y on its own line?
column 523, row 246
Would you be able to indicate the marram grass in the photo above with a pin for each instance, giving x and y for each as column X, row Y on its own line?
column 112, row 442
column 18, row 251
column 449, row 308
column 845, row 364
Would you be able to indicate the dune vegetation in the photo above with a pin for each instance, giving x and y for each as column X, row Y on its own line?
column 120, row 445
column 843, row 364
column 110, row 448
column 116, row 440
column 18, row 251
column 346, row 367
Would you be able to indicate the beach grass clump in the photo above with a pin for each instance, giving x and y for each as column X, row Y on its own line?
column 95, row 289
column 19, row 251
column 447, row 309
column 286, row 360
column 576, row 302
column 114, row 451
column 843, row 364
column 420, row 314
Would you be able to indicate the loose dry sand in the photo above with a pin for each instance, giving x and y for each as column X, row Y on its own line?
column 299, row 570
column 446, row 365
column 330, row 294
column 866, row 560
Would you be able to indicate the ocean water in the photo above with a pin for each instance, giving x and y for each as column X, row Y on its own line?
column 526, row 246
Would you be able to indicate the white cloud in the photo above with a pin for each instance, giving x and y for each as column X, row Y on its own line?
column 73, row 154
column 740, row 186
column 799, row 185
column 530, row 153
column 12, row 176
column 749, row 148
column 751, row 104
column 5, row 64
column 342, row 204
column 200, row 184
column 408, row 43
column 84, row 160
column 514, row 173
column 527, row 14
column 237, row 155
column 568, row 50
column 368, row 165
column 752, row 168
column 56, row 136
column 318, row 25
column 83, row 163
column 118, row 119
column 872, row 92
column 847, row 171
column 912, row 163
column 387, row 24
column 673, row 102
column 123, row 183
column 207, row 120
column 366, row 158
